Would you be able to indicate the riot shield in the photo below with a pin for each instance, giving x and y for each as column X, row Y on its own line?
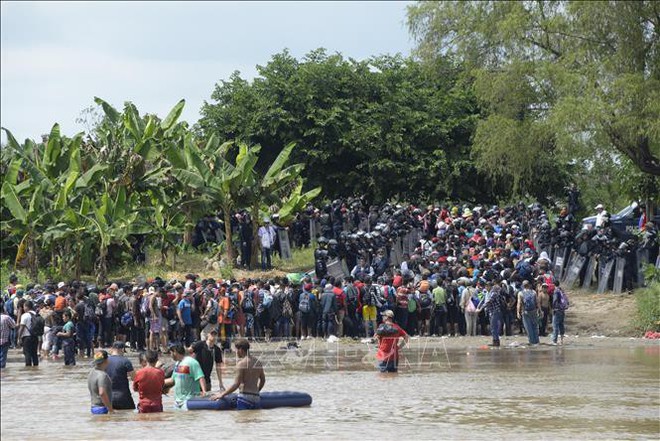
column 589, row 275
column 568, row 265
column 344, row 268
column 560, row 260
column 618, row 274
column 573, row 272
column 285, row 245
column 396, row 255
column 605, row 270
column 642, row 258
column 312, row 232
column 335, row 269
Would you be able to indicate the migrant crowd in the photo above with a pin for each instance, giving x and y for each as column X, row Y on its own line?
column 470, row 271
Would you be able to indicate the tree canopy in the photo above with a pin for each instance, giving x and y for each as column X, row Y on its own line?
column 575, row 81
column 385, row 127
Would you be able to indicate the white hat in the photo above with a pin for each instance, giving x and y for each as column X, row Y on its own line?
column 599, row 206
column 61, row 285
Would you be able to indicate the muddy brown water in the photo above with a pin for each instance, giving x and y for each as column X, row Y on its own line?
column 570, row 392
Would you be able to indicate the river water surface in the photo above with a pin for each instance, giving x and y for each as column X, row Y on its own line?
column 545, row 392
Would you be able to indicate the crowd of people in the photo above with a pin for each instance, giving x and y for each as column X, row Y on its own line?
column 472, row 272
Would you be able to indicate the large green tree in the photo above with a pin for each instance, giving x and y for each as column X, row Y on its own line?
column 569, row 80
column 385, row 127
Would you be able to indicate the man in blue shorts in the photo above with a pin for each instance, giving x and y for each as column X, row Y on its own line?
column 250, row 378
column 99, row 385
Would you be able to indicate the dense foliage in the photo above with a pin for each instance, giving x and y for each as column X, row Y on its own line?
column 385, row 127
column 576, row 83
column 79, row 203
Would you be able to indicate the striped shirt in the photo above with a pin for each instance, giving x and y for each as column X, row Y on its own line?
column 6, row 325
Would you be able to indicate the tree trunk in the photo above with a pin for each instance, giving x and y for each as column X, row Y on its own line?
column 163, row 256
column 228, row 237
column 102, row 271
column 33, row 260
column 77, row 269
column 188, row 233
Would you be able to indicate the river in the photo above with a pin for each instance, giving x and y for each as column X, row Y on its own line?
column 469, row 392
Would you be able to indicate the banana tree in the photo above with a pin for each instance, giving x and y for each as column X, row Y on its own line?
column 273, row 186
column 28, row 221
column 37, row 181
column 209, row 177
column 111, row 222
column 296, row 202
column 168, row 224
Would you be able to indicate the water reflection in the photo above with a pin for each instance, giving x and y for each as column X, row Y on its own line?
column 530, row 393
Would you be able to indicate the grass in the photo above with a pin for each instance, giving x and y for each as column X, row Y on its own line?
column 189, row 262
column 193, row 262
column 648, row 308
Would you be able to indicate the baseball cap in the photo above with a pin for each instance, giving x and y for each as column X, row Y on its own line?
column 61, row 285
column 598, row 206
column 100, row 357
column 118, row 345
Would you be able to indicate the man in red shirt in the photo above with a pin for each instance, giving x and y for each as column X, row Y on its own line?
column 148, row 382
column 389, row 336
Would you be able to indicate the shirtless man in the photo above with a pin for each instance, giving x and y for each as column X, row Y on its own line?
column 250, row 378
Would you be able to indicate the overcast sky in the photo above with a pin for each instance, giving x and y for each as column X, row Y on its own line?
column 56, row 56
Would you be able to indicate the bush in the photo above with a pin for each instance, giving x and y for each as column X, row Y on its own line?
column 648, row 308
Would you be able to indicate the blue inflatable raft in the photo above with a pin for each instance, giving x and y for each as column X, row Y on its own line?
column 269, row 400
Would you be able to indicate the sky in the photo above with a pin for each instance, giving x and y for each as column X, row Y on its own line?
column 56, row 56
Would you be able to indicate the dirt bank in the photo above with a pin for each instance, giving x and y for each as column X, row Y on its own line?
column 606, row 314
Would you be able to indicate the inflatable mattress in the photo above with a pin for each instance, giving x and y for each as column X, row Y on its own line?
column 269, row 400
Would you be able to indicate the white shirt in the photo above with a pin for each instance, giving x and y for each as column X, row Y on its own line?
column 26, row 319
column 267, row 236
column 600, row 219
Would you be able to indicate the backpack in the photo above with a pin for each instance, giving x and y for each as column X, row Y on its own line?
column 212, row 314
column 352, row 297
column 100, row 309
column 470, row 306
column 9, row 307
column 412, row 304
column 89, row 315
column 126, row 319
column 304, row 304
column 425, row 300
column 268, row 298
column 529, row 300
column 287, row 309
column 562, row 301
column 144, row 306
column 548, row 280
column 525, row 270
column 248, row 303
column 37, row 325
column 372, row 298
column 341, row 301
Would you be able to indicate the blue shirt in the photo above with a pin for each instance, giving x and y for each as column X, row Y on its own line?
column 186, row 312
column 118, row 369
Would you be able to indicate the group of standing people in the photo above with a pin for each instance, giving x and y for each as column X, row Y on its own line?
column 189, row 375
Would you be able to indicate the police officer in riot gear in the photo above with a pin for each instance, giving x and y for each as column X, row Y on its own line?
column 321, row 258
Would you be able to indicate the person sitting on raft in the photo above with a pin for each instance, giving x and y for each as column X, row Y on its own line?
column 250, row 378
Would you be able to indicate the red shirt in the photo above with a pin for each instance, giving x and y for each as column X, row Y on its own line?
column 388, row 348
column 149, row 383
